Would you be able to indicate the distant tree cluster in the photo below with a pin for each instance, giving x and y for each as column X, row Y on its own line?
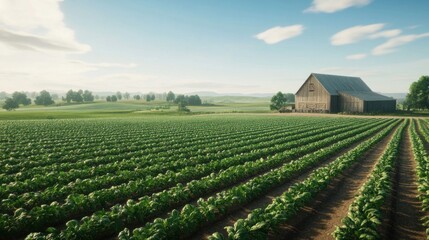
column 20, row 98
column 150, row 97
column 112, row 98
column 279, row 100
column 191, row 100
column 418, row 96
column 78, row 96
column 44, row 98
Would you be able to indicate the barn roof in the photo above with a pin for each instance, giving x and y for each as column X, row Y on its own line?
column 334, row 83
column 367, row 96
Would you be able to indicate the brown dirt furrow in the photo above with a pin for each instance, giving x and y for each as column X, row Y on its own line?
column 244, row 210
column 405, row 208
column 319, row 219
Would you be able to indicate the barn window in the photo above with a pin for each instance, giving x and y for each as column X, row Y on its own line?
column 311, row 87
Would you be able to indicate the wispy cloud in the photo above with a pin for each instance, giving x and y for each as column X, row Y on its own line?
column 355, row 34
column 105, row 65
column 24, row 41
column 391, row 44
column 386, row 34
column 356, row 56
column 330, row 6
column 277, row 34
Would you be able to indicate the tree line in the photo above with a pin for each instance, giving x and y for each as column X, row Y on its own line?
column 82, row 96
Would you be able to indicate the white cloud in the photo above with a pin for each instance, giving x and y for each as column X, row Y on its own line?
column 105, row 65
column 36, row 25
column 355, row 34
column 391, row 45
column 25, row 41
column 330, row 6
column 356, row 56
column 277, row 34
column 386, row 34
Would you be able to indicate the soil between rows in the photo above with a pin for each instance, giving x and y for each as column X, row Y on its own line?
column 319, row 219
column 405, row 206
column 244, row 210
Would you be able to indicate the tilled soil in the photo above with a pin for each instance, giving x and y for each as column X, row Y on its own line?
column 319, row 219
column 243, row 211
column 405, row 209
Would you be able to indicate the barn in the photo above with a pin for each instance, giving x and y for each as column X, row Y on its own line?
column 332, row 94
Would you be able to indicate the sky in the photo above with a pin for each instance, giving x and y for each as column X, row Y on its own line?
column 240, row 46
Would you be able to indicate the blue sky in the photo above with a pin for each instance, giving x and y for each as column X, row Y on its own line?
column 223, row 46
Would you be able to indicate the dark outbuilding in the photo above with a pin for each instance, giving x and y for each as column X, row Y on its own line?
column 332, row 94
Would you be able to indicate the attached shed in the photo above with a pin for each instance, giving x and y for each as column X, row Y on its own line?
column 332, row 93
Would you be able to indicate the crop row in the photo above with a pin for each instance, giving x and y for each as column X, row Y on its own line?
column 261, row 221
column 47, row 214
column 158, row 166
column 365, row 214
column 191, row 217
column 85, row 149
column 163, row 149
column 422, row 159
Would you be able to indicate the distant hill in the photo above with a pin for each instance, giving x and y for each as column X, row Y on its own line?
column 215, row 94
column 395, row 95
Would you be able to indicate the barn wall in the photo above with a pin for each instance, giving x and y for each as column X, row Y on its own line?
column 312, row 97
column 350, row 104
column 380, row 106
column 335, row 103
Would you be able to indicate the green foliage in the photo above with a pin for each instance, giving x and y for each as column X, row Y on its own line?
column 185, row 100
column 44, row 98
column 418, row 96
column 87, row 96
column 118, row 96
column 79, row 96
column 21, row 98
column 10, row 104
column 365, row 213
column 170, row 96
column 279, row 100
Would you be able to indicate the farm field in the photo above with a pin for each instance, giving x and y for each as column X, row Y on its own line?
column 215, row 177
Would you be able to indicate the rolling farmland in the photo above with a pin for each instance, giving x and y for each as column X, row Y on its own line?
column 215, row 177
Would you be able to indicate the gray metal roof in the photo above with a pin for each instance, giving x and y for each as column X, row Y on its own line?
column 367, row 96
column 335, row 83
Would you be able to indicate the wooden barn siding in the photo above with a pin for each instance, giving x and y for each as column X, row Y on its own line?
column 351, row 104
column 317, row 101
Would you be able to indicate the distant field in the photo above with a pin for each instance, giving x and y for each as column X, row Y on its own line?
column 129, row 109
column 189, row 177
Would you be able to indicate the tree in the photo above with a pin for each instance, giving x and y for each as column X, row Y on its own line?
column 44, row 98
column 418, row 96
column 10, row 104
column 126, row 96
column 278, row 101
column 194, row 100
column 87, row 96
column 69, row 96
column 150, row 97
column 118, row 96
column 290, row 97
column 137, row 97
column 114, row 98
column 108, row 99
column 181, row 99
column 21, row 98
column 170, row 96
